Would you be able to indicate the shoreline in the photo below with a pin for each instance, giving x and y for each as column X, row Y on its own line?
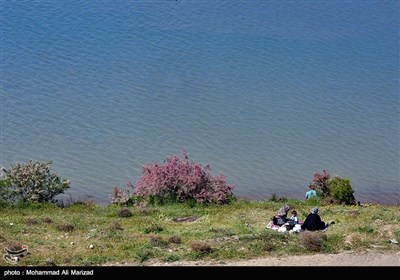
column 69, row 199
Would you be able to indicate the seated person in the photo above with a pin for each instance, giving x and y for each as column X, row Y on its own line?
column 281, row 217
column 313, row 221
column 294, row 217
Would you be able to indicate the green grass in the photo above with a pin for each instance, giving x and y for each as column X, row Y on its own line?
column 84, row 235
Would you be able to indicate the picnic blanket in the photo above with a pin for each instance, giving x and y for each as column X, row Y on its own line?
column 284, row 228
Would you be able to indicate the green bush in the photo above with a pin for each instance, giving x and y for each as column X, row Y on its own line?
column 341, row 190
column 6, row 194
column 334, row 190
column 31, row 182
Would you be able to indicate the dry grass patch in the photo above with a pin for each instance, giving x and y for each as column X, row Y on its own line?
column 352, row 213
column 353, row 238
column 31, row 222
column 157, row 241
column 312, row 241
column 47, row 220
column 65, row 227
column 185, row 219
column 116, row 225
column 175, row 239
column 388, row 230
column 124, row 213
column 14, row 246
column 201, row 247
column 153, row 228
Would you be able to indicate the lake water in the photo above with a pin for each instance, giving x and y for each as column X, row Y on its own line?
column 265, row 92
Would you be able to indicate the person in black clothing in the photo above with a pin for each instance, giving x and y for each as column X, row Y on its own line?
column 313, row 221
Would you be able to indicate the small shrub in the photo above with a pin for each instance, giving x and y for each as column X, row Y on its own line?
column 31, row 222
column 175, row 239
column 116, row 225
column 312, row 241
column 120, row 197
column 47, row 220
column 153, row 228
column 124, row 213
column 32, row 182
column 180, row 179
column 201, row 247
column 65, row 227
column 157, row 241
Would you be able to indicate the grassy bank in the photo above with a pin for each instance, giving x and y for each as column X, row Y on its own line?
column 87, row 234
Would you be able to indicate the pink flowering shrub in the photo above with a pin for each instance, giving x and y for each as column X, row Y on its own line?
column 181, row 179
column 321, row 182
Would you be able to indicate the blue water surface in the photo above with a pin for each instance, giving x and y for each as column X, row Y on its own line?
column 265, row 92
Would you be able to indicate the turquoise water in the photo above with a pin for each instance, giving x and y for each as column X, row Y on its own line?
column 265, row 92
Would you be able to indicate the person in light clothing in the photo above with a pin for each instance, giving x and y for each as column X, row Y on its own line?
column 311, row 192
column 294, row 217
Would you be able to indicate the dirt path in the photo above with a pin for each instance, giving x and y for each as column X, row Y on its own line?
column 341, row 259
